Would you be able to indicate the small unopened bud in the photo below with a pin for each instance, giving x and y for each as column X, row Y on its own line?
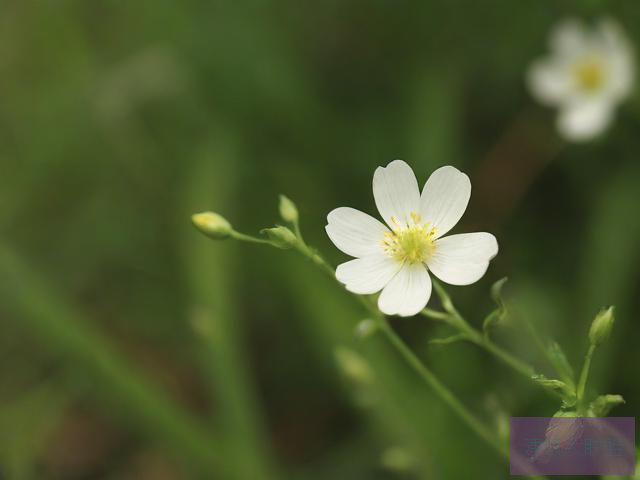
column 281, row 237
column 365, row 328
column 204, row 324
column 601, row 326
column 288, row 210
column 549, row 382
column 212, row 225
column 561, row 429
column 397, row 459
column 353, row 366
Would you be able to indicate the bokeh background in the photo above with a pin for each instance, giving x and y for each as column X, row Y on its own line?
column 132, row 347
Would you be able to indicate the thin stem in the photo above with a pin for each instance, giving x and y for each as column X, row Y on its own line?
column 435, row 314
column 582, row 384
column 439, row 388
column 474, row 336
column 297, row 231
column 508, row 359
column 443, row 392
column 248, row 238
column 414, row 362
column 453, row 318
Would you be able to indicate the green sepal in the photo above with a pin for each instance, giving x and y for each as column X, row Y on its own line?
column 280, row 237
column 566, row 392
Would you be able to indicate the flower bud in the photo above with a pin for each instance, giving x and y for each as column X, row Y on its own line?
column 561, row 429
column 281, row 237
column 397, row 459
column 288, row 210
column 601, row 326
column 365, row 328
column 353, row 366
column 212, row 225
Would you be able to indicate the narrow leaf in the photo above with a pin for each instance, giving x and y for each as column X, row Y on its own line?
column 448, row 340
column 561, row 364
column 498, row 315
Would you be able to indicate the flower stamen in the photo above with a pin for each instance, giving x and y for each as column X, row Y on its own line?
column 410, row 243
column 589, row 75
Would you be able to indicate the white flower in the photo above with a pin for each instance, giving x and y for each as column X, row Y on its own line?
column 588, row 73
column 397, row 259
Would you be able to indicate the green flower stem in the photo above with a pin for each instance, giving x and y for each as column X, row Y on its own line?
column 435, row 314
column 515, row 363
column 582, row 383
column 413, row 361
column 249, row 238
column 458, row 322
column 441, row 390
column 298, row 232
column 142, row 405
column 425, row 373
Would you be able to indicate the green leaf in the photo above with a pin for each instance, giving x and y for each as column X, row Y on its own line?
column 498, row 315
column 561, row 364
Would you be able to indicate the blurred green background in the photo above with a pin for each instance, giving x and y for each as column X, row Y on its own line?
column 131, row 347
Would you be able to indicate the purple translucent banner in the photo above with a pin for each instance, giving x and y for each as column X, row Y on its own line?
column 572, row 446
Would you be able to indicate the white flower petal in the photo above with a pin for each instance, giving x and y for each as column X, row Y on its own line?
column 368, row 274
column 444, row 198
column 396, row 192
column 619, row 58
column 549, row 81
column 407, row 293
column 569, row 37
column 354, row 232
column 584, row 120
column 463, row 259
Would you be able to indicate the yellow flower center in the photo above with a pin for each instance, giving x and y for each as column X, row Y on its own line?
column 411, row 242
column 589, row 75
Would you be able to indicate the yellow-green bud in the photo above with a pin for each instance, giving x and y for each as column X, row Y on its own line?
column 397, row 459
column 353, row 366
column 204, row 324
column 601, row 326
column 281, row 237
column 212, row 225
column 365, row 328
column 288, row 210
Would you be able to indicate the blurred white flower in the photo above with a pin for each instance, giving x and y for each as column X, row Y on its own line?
column 396, row 260
column 588, row 73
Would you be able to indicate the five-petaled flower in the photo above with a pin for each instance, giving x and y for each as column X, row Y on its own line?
column 588, row 73
column 396, row 259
